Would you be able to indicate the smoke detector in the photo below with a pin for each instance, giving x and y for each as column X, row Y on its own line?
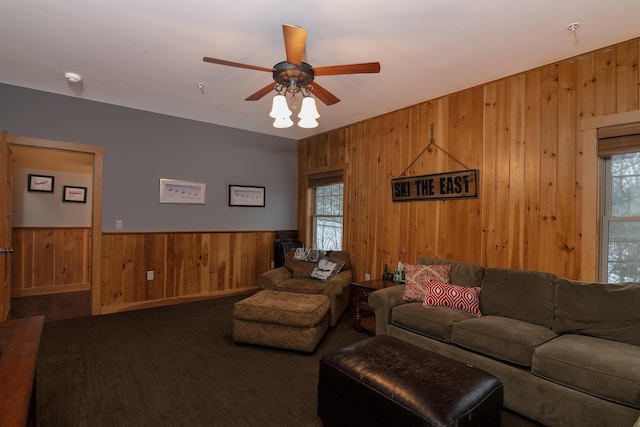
column 73, row 77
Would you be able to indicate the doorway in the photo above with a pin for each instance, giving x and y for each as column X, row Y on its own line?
column 86, row 301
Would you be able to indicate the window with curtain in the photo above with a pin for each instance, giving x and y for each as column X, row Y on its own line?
column 327, row 203
column 619, row 147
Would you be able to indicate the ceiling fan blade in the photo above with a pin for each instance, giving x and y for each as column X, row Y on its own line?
column 236, row 64
column 295, row 39
column 322, row 94
column 332, row 70
column 261, row 93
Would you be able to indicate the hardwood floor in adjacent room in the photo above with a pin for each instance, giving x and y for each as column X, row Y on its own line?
column 53, row 306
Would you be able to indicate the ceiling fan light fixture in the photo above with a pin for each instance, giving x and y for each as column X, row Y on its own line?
column 308, row 113
column 279, row 107
column 282, row 122
column 280, row 112
column 293, row 76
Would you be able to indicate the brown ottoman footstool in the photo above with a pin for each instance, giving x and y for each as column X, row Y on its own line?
column 383, row 381
column 281, row 319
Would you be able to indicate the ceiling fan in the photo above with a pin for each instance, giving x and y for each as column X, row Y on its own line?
column 294, row 75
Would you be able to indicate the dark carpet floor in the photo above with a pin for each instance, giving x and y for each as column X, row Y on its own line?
column 177, row 366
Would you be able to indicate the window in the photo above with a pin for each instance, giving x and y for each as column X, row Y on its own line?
column 327, row 220
column 621, row 221
column 327, row 217
column 620, row 259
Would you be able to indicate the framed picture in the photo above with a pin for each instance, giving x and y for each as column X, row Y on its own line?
column 242, row 195
column 74, row 194
column 42, row 183
column 176, row 191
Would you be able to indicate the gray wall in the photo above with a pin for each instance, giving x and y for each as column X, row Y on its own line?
column 42, row 209
column 142, row 147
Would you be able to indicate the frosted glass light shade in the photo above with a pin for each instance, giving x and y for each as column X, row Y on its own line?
column 279, row 108
column 282, row 122
column 308, row 113
column 280, row 112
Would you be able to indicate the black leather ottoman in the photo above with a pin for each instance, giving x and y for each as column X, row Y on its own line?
column 383, row 381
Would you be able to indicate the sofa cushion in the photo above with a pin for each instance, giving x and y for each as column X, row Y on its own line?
column 434, row 322
column 299, row 268
column 604, row 310
column 302, row 254
column 326, row 269
column 341, row 256
column 522, row 295
column 305, row 268
column 302, row 285
column 462, row 273
column 603, row 368
column 503, row 338
column 417, row 278
column 440, row 294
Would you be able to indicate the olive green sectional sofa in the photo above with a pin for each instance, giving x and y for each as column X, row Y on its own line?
column 567, row 352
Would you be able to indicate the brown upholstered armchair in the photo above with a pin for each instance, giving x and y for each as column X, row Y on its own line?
column 295, row 276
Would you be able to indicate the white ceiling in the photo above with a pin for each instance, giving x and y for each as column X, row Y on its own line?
column 147, row 54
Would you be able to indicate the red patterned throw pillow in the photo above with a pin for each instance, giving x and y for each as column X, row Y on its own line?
column 417, row 278
column 440, row 294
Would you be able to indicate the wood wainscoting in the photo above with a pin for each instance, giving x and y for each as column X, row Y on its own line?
column 50, row 260
column 185, row 266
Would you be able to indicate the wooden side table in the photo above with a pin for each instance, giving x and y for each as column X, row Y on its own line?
column 359, row 294
column 20, row 343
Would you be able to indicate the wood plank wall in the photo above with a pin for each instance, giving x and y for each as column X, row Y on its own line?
column 185, row 265
column 522, row 133
column 50, row 260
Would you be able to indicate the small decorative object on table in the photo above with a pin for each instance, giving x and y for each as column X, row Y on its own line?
column 398, row 273
column 386, row 275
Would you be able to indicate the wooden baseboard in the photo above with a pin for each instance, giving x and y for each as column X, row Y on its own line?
column 49, row 290
column 116, row 308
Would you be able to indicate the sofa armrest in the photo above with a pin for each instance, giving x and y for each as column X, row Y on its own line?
column 270, row 279
column 338, row 284
column 382, row 301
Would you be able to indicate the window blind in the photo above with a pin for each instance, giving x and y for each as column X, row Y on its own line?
column 325, row 178
column 619, row 139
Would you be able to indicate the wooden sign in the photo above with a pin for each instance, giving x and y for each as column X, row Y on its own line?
column 442, row 186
